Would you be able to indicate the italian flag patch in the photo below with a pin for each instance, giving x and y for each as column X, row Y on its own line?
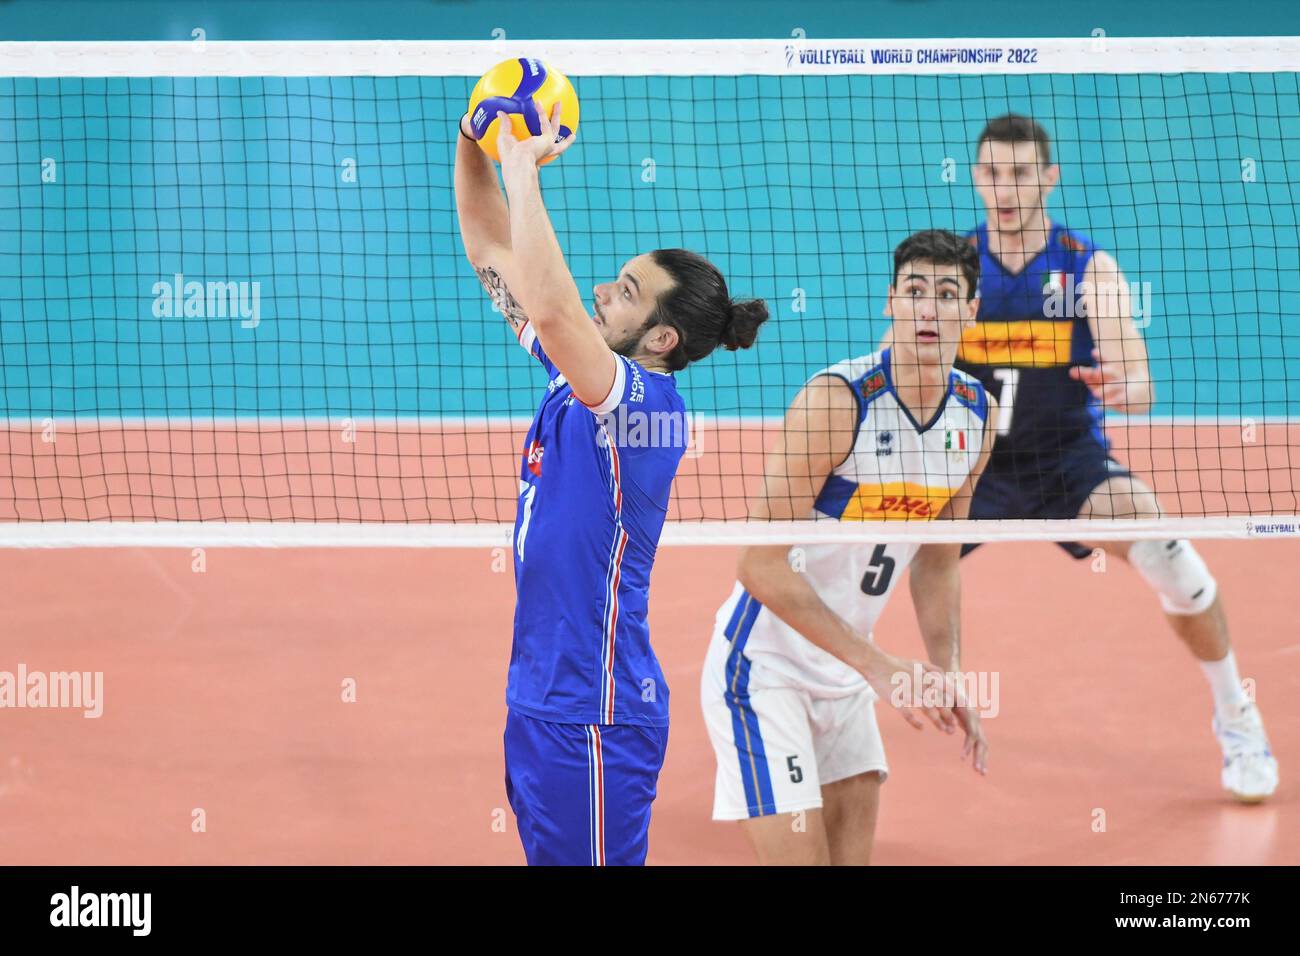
column 955, row 439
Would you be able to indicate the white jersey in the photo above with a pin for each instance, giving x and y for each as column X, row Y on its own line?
column 899, row 469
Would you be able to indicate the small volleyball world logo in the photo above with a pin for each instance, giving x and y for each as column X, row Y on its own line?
column 524, row 89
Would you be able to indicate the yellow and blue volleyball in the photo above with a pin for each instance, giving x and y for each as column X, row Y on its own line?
column 523, row 89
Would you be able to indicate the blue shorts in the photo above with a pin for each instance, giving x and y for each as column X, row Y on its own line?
column 1055, row 485
column 581, row 793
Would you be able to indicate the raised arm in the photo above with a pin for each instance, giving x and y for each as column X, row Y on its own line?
column 480, row 204
column 817, row 435
column 485, row 226
column 540, row 278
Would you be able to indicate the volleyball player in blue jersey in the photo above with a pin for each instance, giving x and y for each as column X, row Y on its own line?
column 588, row 706
column 1057, row 344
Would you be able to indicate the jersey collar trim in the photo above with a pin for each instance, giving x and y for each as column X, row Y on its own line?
column 885, row 362
column 983, row 232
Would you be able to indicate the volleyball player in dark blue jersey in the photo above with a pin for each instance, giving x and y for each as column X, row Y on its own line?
column 587, row 722
column 1056, row 342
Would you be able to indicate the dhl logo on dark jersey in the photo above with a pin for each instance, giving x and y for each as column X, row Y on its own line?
column 1039, row 343
column 897, row 501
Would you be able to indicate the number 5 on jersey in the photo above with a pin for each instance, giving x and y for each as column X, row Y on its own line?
column 879, row 573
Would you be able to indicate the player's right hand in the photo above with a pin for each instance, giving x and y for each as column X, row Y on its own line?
column 912, row 686
column 534, row 149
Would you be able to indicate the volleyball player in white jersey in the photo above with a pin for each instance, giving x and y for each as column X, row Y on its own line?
column 792, row 674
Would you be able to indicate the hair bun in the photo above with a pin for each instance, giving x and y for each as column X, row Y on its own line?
column 743, row 319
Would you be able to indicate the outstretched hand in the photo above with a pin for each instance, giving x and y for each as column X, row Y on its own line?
column 895, row 679
column 534, row 149
column 1106, row 381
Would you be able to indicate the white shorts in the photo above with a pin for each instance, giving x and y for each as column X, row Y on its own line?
column 776, row 744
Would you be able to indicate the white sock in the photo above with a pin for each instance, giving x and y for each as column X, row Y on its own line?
column 1225, row 684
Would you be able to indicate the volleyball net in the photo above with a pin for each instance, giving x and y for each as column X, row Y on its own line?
column 235, row 308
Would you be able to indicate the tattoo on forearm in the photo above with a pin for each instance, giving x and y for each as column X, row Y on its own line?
column 501, row 298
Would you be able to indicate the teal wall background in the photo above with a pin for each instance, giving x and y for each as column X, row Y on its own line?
column 475, row 19
column 367, row 307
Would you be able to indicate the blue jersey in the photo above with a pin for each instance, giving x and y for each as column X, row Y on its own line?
column 593, row 495
column 1030, row 331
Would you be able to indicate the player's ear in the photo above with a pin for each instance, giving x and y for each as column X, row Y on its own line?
column 660, row 340
column 972, row 310
column 1051, row 176
column 889, row 303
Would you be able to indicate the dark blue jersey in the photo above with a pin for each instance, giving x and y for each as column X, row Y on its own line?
column 593, row 494
column 1030, row 331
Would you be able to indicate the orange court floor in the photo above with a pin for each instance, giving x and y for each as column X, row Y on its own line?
column 223, row 703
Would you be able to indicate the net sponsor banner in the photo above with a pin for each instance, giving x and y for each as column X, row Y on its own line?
column 1093, row 54
column 267, row 534
column 1268, row 528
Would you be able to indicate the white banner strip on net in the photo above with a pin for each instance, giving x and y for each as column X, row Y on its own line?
column 700, row 57
column 206, row 534
column 705, row 419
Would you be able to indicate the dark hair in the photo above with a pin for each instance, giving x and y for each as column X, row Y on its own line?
column 943, row 248
column 701, row 309
column 1014, row 128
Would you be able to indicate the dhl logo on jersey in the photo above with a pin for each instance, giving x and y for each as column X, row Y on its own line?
column 897, row 501
column 1039, row 343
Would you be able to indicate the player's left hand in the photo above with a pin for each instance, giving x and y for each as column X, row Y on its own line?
column 534, row 149
column 976, row 745
column 1107, row 382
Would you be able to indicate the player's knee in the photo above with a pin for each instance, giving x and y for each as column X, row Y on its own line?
column 1135, row 505
column 797, row 838
column 1177, row 573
